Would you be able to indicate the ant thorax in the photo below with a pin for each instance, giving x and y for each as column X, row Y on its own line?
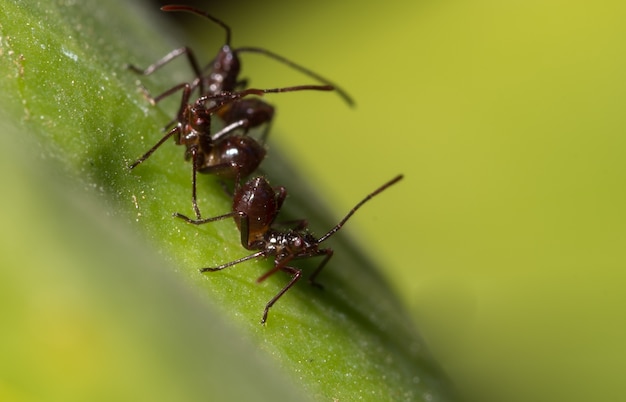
column 290, row 243
column 195, row 124
column 190, row 136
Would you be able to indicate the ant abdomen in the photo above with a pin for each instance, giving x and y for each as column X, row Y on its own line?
column 259, row 203
column 253, row 111
column 238, row 156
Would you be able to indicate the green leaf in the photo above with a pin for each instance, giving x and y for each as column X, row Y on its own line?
column 100, row 288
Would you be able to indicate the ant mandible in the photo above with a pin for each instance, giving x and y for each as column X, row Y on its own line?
column 224, row 154
column 221, row 74
column 255, row 207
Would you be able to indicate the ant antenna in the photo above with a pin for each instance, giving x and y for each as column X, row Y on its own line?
column 231, row 96
column 176, row 7
column 359, row 205
column 347, row 98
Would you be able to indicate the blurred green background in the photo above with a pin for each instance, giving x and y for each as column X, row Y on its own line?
column 507, row 236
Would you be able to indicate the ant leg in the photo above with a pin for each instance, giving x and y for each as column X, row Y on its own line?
column 181, row 120
column 193, row 62
column 154, row 100
column 154, row 148
column 205, row 220
column 187, row 90
column 296, row 276
column 329, row 253
column 194, row 84
column 244, row 226
column 278, row 265
column 166, row 59
column 194, row 186
column 237, row 261
column 243, row 123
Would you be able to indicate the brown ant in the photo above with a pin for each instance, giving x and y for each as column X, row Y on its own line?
column 221, row 74
column 224, row 154
column 255, row 207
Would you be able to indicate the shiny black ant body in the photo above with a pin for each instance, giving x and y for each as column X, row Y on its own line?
column 255, row 207
column 222, row 74
column 224, row 153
